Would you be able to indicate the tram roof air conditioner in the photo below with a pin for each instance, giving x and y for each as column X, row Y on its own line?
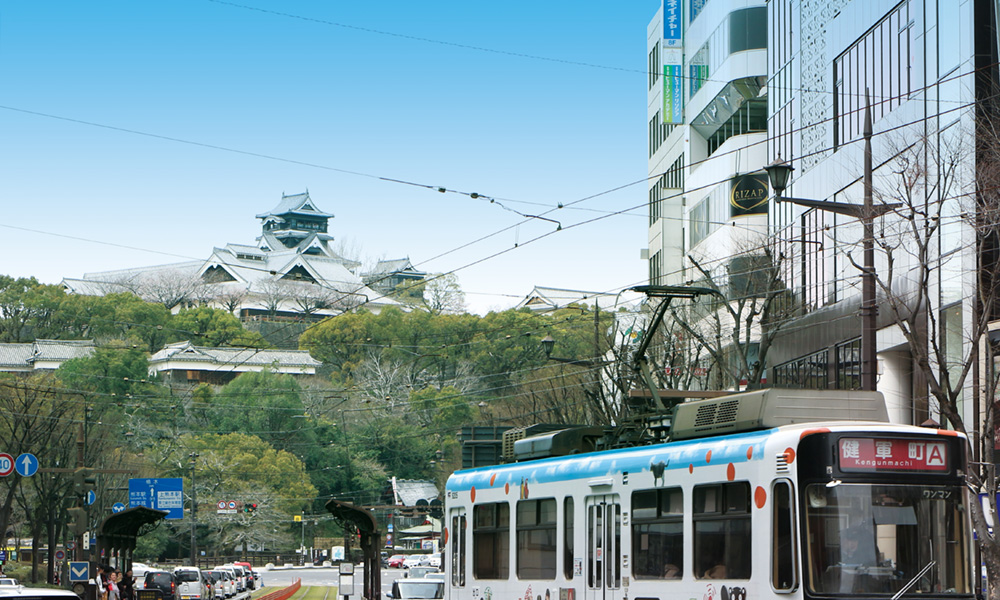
column 771, row 407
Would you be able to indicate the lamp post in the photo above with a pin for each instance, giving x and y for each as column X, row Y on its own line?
column 779, row 172
column 194, row 511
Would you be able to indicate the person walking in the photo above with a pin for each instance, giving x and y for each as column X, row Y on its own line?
column 126, row 587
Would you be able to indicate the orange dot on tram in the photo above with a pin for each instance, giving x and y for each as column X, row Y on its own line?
column 506, row 488
column 789, row 455
column 749, row 452
column 493, row 479
column 760, row 497
column 731, row 472
column 691, row 468
column 472, row 493
column 708, row 457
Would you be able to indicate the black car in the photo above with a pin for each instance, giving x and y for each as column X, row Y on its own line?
column 163, row 582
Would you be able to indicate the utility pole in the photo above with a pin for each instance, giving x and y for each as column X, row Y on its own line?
column 869, row 310
column 194, row 512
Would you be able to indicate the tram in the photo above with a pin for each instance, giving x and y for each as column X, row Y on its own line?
column 769, row 494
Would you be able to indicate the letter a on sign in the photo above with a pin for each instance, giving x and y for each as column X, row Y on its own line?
column 935, row 455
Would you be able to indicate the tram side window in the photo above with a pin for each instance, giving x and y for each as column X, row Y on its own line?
column 536, row 539
column 491, row 541
column 721, row 519
column 458, row 550
column 783, row 576
column 658, row 534
column 568, row 538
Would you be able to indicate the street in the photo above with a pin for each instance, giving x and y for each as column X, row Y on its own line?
column 326, row 577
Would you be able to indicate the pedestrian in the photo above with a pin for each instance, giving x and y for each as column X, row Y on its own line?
column 126, row 587
column 101, row 581
column 113, row 593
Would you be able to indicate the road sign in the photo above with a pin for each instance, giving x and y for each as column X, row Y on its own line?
column 6, row 464
column 60, row 555
column 71, row 545
column 222, row 504
column 91, row 497
column 231, row 504
column 26, row 465
column 117, row 507
column 3, row 555
column 160, row 494
column 79, row 571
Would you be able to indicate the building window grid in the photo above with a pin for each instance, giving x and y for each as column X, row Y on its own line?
column 875, row 64
column 654, row 65
column 807, row 372
column 849, row 365
column 655, row 269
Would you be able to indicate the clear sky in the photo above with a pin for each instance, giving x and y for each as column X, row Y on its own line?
column 164, row 127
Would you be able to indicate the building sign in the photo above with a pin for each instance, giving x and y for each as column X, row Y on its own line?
column 748, row 195
column 870, row 455
column 673, row 63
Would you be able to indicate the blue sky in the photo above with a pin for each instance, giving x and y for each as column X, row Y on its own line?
column 164, row 127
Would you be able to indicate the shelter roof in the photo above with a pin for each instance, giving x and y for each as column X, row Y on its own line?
column 410, row 490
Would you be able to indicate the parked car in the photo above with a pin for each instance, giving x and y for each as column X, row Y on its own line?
column 190, row 584
column 415, row 560
column 139, row 571
column 8, row 581
column 162, row 581
column 420, row 572
column 213, row 588
column 434, row 560
column 417, row 589
column 396, row 561
column 225, row 585
column 252, row 576
column 237, row 577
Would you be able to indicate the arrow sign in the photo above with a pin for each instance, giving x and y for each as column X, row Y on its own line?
column 91, row 497
column 79, row 571
column 6, row 464
column 117, row 507
column 26, row 465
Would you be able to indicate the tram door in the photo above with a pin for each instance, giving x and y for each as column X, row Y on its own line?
column 456, row 545
column 604, row 554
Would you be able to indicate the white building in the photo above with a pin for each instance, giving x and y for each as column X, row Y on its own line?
column 291, row 271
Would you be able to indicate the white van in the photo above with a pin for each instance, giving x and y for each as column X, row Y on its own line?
column 191, row 584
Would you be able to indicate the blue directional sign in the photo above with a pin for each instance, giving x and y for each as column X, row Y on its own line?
column 91, row 497
column 79, row 570
column 160, row 494
column 117, row 507
column 26, row 465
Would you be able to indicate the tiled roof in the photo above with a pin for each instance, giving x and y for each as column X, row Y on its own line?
column 15, row 356
column 233, row 356
column 62, row 350
column 300, row 203
column 411, row 490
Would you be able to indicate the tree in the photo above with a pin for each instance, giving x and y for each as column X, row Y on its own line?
column 947, row 219
column 264, row 404
column 26, row 307
column 735, row 328
column 206, row 326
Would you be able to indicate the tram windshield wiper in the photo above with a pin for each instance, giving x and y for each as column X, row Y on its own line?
column 913, row 581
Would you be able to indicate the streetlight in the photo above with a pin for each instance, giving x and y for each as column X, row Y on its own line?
column 194, row 511
column 548, row 343
column 779, row 172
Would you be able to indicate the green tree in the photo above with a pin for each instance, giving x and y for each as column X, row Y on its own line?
column 205, row 326
column 264, row 404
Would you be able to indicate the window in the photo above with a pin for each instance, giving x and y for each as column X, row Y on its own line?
column 658, row 534
column 721, row 518
column 751, row 117
column 748, row 29
column 655, row 269
column 568, row 538
column 849, row 365
column 783, row 574
column 458, row 550
column 654, row 65
column 536, row 539
column 491, row 541
column 807, row 372
column 879, row 61
column 672, row 179
column 658, row 132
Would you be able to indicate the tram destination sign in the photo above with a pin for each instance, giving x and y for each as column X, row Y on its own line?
column 869, row 455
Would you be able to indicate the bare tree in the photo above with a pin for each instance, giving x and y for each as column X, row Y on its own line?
column 273, row 294
column 939, row 287
column 231, row 296
column 443, row 294
column 170, row 287
column 731, row 334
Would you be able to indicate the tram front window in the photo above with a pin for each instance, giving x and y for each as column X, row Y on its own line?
column 877, row 539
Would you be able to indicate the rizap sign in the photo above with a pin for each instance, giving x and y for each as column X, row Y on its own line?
column 748, row 195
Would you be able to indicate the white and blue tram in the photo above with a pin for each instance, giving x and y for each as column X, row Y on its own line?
column 769, row 494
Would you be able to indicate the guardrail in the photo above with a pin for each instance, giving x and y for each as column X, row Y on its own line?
column 283, row 594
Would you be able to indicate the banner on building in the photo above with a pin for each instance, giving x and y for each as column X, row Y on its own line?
column 673, row 63
column 748, row 195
